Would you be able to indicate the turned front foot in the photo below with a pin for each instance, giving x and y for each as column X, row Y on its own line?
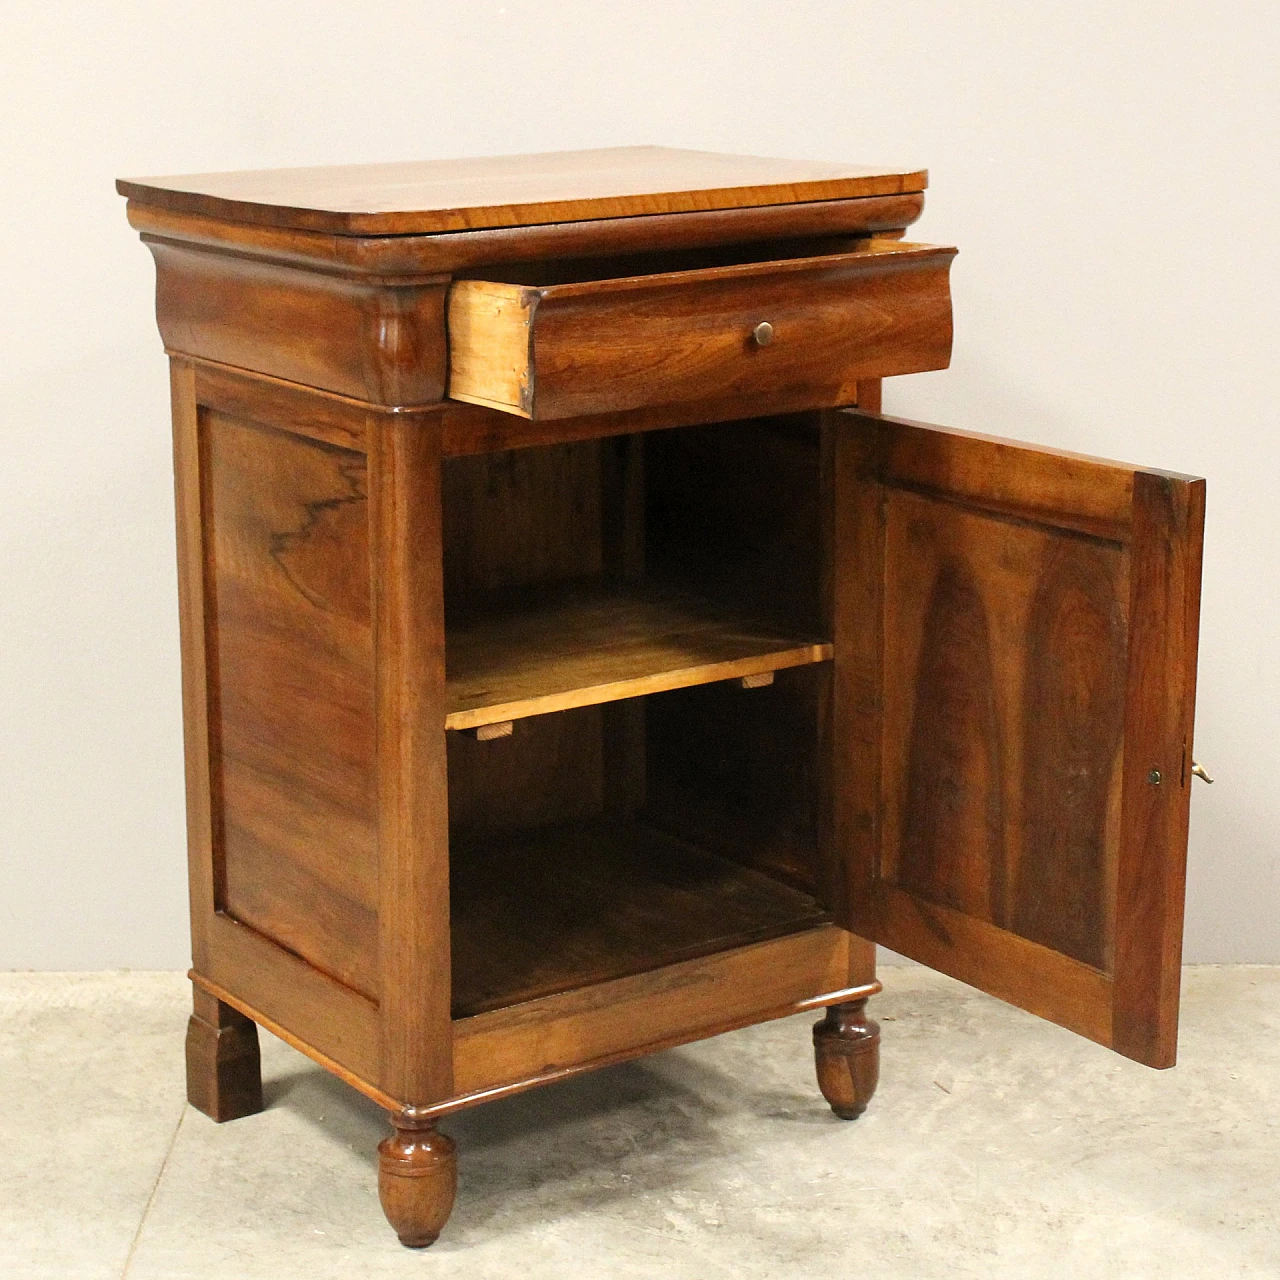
column 224, row 1070
column 417, row 1178
column 846, row 1050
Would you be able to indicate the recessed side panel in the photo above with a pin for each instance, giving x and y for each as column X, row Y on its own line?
column 291, row 677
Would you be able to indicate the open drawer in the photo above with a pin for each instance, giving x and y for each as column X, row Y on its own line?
column 802, row 331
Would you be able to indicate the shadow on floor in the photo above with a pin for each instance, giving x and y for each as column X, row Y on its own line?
column 567, row 1148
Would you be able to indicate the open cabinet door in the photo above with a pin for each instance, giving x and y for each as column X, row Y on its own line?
column 1015, row 659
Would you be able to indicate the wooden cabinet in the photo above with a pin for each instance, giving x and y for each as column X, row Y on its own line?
column 576, row 663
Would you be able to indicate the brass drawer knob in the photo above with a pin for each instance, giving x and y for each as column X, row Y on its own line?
column 763, row 333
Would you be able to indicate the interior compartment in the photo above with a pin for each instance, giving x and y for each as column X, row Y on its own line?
column 553, row 909
column 546, row 272
column 637, row 625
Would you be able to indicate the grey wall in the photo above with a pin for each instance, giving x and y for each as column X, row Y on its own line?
column 1108, row 171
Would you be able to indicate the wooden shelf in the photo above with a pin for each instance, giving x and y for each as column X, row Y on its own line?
column 541, row 912
column 525, row 653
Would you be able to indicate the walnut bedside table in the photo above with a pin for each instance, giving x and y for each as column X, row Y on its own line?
column 575, row 663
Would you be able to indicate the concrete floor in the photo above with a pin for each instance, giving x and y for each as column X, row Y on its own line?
column 997, row 1146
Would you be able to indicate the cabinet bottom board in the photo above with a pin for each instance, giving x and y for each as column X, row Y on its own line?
column 570, row 906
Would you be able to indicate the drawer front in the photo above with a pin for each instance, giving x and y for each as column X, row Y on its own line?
column 805, row 330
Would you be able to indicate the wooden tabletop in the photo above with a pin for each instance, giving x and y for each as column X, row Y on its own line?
column 427, row 196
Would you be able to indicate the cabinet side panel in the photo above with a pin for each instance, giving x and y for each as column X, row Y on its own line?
column 192, row 619
column 291, row 673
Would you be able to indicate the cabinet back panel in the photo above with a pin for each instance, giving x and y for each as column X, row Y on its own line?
column 522, row 516
column 731, row 511
column 549, row 770
column 734, row 510
column 516, row 519
column 737, row 771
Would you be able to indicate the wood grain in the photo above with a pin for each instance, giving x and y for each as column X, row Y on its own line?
column 417, row 1178
column 471, row 429
column 985, row 662
column 1164, row 613
column 513, row 519
column 1024, row 481
column 270, row 982
column 303, row 1042
column 330, row 555
column 684, row 337
column 853, row 815
column 1004, row 719
column 522, row 516
column 490, row 344
column 272, row 402
column 291, row 676
column 412, row 783
column 414, row 255
column 567, row 907
column 827, row 961
column 224, row 1067
column 846, row 1051
column 514, row 1048
column 533, row 652
column 193, row 624
column 1073, row 719
column 995, row 960
column 505, row 191
column 365, row 338
column 280, row 990
column 953, row 826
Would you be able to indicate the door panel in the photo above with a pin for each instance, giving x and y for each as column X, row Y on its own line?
column 1015, row 641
